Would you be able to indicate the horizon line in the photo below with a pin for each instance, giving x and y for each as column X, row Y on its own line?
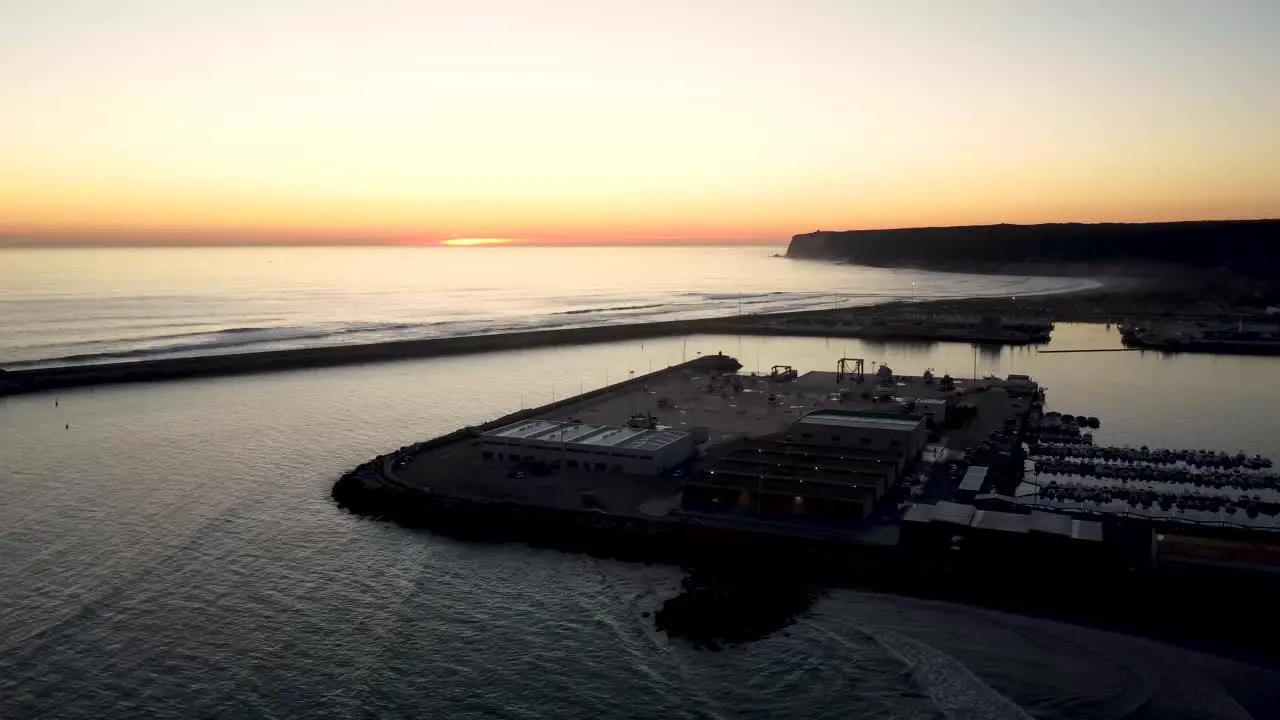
column 90, row 244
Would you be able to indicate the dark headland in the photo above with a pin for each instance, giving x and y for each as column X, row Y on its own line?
column 1244, row 247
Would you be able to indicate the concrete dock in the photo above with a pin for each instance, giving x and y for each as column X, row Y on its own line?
column 727, row 408
column 446, row 485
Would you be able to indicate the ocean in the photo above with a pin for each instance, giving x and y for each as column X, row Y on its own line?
column 169, row 550
column 69, row 306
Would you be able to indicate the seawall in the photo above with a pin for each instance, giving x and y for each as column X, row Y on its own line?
column 14, row 382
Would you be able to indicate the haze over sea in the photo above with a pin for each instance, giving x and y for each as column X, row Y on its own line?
column 99, row 305
column 174, row 552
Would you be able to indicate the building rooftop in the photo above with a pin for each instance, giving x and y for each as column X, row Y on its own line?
column 610, row 436
column 653, row 439
column 568, row 433
column 1051, row 523
column 862, row 419
column 525, row 429
column 953, row 513
column 919, row 512
column 974, row 478
column 1003, row 521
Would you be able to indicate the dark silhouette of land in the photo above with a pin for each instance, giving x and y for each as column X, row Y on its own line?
column 1245, row 247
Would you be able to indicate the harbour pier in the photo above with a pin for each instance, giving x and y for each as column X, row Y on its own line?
column 856, row 476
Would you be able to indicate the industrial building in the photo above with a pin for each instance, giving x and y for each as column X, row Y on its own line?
column 580, row 446
column 831, row 463
column 1009, row 538
column 902, row 435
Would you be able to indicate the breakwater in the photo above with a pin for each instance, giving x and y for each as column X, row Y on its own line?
column 14, row 382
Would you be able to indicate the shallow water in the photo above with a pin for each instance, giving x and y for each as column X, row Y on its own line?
column 175, row 554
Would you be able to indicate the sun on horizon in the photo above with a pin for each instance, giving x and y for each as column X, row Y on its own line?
column 467, row 242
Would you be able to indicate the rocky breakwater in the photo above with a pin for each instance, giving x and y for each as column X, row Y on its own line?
column 739, row 588
column 41, row 379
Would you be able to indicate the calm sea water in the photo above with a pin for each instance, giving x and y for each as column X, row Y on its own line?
column 68, row 306
column 174, row 553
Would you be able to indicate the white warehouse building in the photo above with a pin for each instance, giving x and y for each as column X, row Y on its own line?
column 579, row 446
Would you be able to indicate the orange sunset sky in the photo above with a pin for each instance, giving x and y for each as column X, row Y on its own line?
column 577, row 121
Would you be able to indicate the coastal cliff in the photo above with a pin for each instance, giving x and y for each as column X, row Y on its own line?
column 1249, row 247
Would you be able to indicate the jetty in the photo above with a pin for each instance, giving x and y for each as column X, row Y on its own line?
column 15, row 381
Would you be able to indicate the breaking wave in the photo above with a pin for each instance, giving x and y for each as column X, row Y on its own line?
column 77, row 329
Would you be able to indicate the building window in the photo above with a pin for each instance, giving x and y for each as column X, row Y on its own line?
column 486, row 455
column 806, row 436
column 835, row 438
column 865, row 440
column 571, row 463
column 617, row 468
column 895, row 443
column 601, row 466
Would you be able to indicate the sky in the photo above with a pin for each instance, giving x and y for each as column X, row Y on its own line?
column 612, row 120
